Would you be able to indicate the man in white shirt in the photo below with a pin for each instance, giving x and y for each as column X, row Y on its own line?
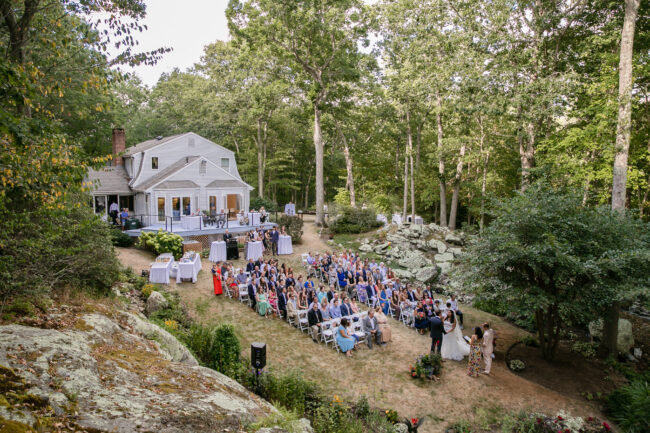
column 454, row 306
column 113, row 209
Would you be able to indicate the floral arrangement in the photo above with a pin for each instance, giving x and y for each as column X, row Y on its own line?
column 427, row 366
column 413, row 424
column 517, row 365
column 565, row 423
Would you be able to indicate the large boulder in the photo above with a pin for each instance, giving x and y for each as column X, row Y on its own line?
column 113, row 379
column 445, row 257
column 437, row 245
column 456, row 251
column 625, row 341
column 381, row 248
column 155, row 302
column 413, row 260
column 444, row 267
column 452, row 238
column 427, row 274
column 402, row 274
column 366, row 248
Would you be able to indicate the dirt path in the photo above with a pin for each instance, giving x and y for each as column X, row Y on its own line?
column 382, row 374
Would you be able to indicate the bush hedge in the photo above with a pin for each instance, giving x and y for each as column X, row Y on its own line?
column 293, row 225
column 162, row 242
column 629, row 406
column 269, row 205
column 353, row 220
column 121, row 239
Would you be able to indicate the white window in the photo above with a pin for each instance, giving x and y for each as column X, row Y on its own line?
column 154, row 163
column 225, row 164
column 203, row 168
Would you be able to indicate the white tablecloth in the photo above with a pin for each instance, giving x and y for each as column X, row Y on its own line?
column 191, row 222
column 189, row 269
column 382, row 218
column 290, row 209
column 254, row 250
column 218, row 251
column 159, row 272
column 397, row 219
column 284, row 245
column 419, row 220
column 254, row 218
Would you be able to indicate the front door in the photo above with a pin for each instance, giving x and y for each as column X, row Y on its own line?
column 161, row 209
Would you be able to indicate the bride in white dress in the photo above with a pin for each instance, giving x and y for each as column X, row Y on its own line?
column 454, row 345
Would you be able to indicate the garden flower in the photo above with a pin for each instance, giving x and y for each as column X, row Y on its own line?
column 607, row 427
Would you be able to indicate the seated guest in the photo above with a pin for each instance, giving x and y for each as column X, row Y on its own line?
column 343, row 339
column 346, row 309
column 371, row 328
column 263, row 215
column 394, row 303
column 273, row 299
column 242, row 278
column 382, row 322
column 302, row 301
column 384, row 303
column 342, row 278
column 320, row 294
column 232, row 285
column 252, row 294
column 292, row 307
column 330, row 294
column 314, row 319
column 325, row 310
column 335, row 310
column 353, row 306
column 250, row 266
column 263, row 305
column 282, row 302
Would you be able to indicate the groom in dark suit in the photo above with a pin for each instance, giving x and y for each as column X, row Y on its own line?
column 437, row 332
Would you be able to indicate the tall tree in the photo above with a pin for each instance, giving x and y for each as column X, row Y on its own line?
column 319, row 41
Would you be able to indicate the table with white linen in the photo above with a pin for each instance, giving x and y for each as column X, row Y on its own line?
column 218, row 251
column 382, row 218
column 290, row 209
column 159, row 272
column 254, row 218
column 397, row 219
column 254, row 250
column 189, row 269
column 419, row 220
column 284, row 245
column 191, row 222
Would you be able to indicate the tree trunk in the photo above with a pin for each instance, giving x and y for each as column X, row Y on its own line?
column 624, row 105
column 348, row 167
column 527, row 155
column 418, row 139
column 454, row 197
column 406, row 183
column 320, row 189
column 397, row 159
column 409, row 137
column 623, row 129
column 481, row 223
column 441, row 164
column 260, row 159
column 307, row 190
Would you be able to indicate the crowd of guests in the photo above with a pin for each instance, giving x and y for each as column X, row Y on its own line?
column 274, row 289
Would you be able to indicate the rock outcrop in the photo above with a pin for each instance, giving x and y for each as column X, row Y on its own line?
column 117, row 372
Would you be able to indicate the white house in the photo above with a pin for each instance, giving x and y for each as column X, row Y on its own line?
column 167, row 177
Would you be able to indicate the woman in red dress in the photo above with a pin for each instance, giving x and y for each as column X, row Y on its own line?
column 216, row 279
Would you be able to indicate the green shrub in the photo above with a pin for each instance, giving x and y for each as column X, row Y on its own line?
column 20, row 308
column 353, row 220
column 162, row 242
column 629, row 407
column 293, row 224
column 269, row 205
column 217, row 348
column 121, row 239
column 587, row 349
column 530, row 341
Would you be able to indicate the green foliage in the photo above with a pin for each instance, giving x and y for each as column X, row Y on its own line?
column 217, row 348
column 587, row 349
column 285, row 420
column 353, row 220
column 162, row 242
column 293, row 224
column 121, row 239
column 289, row 389
column 629, row 406
column 546, row 256
column 267, row 203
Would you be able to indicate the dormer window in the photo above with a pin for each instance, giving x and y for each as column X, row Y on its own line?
column 225, row 164
column 154, row 163
column 203, row 168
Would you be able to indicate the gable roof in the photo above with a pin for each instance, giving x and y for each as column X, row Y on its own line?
column 146, row 145
column 163, row 174
column 110, row 180
column 227, row 183
column 174, row 184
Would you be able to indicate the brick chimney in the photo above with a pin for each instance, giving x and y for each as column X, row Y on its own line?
column 119, row 146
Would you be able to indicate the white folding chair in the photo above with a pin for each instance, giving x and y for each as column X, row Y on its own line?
column 243, row 293
column 357, row 330
column 327, row 332
column 303, row 322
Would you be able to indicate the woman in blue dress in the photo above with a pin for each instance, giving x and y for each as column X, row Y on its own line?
column 342, row 276
column 383, row 299
column 343, row 339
